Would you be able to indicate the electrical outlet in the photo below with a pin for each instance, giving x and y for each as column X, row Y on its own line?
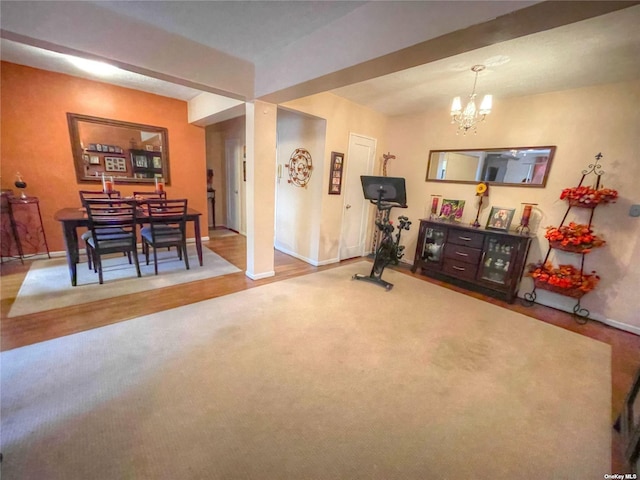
column 634, row 211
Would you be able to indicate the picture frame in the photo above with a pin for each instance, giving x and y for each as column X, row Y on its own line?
column 500, row 218
column 140, row 161
column 157, row 162
column 148, row 148
column 451, row 210
column 94, row 160
column 336, row 173
column 115, row 164
column 85, row 157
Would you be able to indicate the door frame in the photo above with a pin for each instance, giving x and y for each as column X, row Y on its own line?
column 232, row 165
column 366, row 212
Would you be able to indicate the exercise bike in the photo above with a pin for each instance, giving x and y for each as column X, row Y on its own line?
column 386, row 193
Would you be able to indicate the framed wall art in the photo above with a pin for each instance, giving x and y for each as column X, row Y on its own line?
column 451, row 210
column 336, row 173
column 500, row 218
column 115, row 164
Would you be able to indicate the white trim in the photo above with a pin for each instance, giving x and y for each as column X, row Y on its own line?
column 315, row 263
column 593, row 316
column 260, row 275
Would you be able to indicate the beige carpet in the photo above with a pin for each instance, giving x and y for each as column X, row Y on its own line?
column 317, row 377
column 48, row 286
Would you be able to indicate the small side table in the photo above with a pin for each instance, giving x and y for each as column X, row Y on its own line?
column 26, row 227
column 211, row 194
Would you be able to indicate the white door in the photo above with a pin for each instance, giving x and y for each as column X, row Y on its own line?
column 355, row 215
column 232, row 158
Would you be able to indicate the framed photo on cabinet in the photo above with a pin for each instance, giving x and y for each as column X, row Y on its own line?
column 500, row 218
column 336, row 173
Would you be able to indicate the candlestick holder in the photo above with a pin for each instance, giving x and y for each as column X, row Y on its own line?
column 435, row 199
column 107, row 184
column 21, row 184
column 159, row 185
column 525, row 219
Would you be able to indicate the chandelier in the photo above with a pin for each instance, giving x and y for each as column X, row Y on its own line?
column 469, row 117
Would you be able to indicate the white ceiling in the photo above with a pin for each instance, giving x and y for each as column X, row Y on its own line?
column 604, row 49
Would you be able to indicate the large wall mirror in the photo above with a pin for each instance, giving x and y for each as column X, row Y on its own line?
column 128, row 152
column 512, row 166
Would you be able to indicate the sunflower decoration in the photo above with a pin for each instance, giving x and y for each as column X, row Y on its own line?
column 482, row 189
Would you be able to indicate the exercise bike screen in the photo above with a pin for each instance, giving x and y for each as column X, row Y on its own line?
column 393, row 188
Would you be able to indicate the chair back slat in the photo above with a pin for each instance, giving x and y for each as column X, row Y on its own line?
column 163, row 213
column 97, row 195
column 111, row 219
column 149, row 195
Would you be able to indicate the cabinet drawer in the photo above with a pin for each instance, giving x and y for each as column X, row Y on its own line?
column 464, row 237
column 462, row 253
column 459, row 269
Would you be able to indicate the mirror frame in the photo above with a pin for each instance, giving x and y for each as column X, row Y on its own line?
column 551, row 148
column 77, row 150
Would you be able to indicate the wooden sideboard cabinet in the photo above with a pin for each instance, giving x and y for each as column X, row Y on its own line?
column 487, row 261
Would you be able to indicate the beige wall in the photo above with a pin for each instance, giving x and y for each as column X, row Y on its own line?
column 580, row 123
column 216, row 135
column 343, row 117
column 298, row 209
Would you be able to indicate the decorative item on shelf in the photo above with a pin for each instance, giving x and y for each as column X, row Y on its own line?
column 107, row 184
column 469, row 117
column 435, row 199
column 588, row 197
column 482, row 190
column 159, row 184
column 387, row 157
column 21, row 184
column 451, row 210
column 525, row 218
column 300, row 167
column 574, row 237
column 566, row 280
column 500, row 218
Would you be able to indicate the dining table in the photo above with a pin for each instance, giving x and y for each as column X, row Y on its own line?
column 73, row 218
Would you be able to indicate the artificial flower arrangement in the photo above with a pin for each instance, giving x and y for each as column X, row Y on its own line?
column 566, row 279
column 588, row 196
column 574, row 237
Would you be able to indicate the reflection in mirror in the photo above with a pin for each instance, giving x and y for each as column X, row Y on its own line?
column 128, row 152
column 515, row 166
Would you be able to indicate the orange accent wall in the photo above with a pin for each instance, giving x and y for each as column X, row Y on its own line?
column 35, row 138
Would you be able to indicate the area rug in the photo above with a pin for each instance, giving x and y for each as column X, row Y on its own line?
column 315, row 377
column 47, row 284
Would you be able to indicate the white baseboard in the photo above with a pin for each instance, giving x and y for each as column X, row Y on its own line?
column 561, row 305
column 260, row 276
column 310, row 261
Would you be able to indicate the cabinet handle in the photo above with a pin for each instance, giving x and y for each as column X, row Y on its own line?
column 466, row 239
column 459, row 268
column 462, row 254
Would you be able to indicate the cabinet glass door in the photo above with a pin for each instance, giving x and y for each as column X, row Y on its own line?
column 497, row 261
column 433, row 244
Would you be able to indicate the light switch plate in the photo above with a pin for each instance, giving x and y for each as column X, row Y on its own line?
column 634, row 211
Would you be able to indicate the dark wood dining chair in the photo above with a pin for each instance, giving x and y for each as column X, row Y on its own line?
column 113, row 227
column 167, row 227
column 149, row 195
column 93, row 194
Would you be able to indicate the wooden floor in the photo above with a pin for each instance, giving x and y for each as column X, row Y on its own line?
column 28, row 329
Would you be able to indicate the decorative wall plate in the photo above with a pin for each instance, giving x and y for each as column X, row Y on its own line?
column 300, row 167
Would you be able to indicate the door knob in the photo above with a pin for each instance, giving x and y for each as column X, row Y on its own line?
column 348, row 207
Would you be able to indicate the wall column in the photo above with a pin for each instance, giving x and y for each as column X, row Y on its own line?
column 261, row 134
